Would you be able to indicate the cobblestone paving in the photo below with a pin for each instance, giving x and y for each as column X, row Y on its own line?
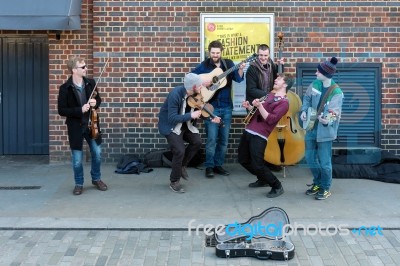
column 116, row 247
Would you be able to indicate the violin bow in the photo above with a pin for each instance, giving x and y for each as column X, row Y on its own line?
column 98, row 79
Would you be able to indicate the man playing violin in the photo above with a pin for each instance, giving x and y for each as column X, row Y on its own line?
column 75, row 103
column 255, row 136
column 176, row 122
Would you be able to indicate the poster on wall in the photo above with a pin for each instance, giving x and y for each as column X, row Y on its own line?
column 240, row 34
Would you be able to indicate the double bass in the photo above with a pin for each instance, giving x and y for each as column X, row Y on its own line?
column 286, row 142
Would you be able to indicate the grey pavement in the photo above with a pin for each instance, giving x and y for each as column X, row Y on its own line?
column 140, row 221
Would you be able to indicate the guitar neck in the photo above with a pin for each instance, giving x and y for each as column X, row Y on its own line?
column 226, row 73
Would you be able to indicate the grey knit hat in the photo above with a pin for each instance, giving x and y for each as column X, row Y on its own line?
column 191, row 80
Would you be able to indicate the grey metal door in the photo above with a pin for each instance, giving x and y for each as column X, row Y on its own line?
column 361, row 111
column 24, row 86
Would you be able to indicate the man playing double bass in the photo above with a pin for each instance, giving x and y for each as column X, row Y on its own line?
column 255, row 136
column 74, row 102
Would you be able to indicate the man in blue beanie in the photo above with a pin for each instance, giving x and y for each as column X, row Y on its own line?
column 320, row 112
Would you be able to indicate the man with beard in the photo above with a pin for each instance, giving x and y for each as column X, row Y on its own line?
column 217, row 136
column 255, row 136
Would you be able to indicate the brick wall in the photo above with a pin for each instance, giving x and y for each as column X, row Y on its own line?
column 151, row 44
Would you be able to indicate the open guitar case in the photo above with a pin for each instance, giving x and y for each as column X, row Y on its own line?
column 265, row 243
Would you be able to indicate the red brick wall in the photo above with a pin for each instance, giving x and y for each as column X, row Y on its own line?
column 151, row 44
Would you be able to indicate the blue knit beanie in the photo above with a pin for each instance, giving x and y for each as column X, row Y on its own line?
column 328, row 69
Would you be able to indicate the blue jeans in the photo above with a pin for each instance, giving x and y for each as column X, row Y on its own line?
column 319, row 159
column 217, row 137
column 95, row 152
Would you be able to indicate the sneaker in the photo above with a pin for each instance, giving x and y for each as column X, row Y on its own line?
column 258, row 183
column 209, row 172
column 184, row 173
column 313, row 190
column 100, row 185
column 323, row 194
column 275, row 192
column 78, row 190
column 221, row 171
column 176, row 187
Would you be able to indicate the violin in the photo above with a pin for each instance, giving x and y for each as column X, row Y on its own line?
column 94, row 121
column 286, row 144
column 93, row 124
column 196, row 101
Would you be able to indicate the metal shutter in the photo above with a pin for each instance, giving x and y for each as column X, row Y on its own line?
column 361, row 111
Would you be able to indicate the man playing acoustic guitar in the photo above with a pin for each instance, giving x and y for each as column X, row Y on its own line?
column 221, row 100
column 325, row 96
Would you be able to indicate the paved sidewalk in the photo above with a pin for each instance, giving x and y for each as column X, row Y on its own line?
column 140, row 221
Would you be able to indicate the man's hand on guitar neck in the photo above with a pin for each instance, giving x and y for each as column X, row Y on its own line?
column 241, row 69
column 303, row 116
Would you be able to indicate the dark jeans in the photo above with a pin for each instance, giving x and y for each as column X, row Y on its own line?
column 251, row 156
column 179, row 156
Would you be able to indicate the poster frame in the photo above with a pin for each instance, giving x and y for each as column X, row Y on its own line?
column 268, row 18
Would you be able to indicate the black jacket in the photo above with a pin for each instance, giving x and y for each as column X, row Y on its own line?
column 70, row 107
column 253, row 86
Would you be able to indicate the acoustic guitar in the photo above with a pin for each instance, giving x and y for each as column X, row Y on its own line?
column 311, row 117
column 218, row 78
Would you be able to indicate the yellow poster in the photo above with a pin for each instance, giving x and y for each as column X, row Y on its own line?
column 240, row 40
column 240, row 34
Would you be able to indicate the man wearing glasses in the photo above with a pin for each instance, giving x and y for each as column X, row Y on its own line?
column 75, row 103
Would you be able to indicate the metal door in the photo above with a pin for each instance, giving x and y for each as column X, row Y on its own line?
column 361, row 110
column 24, row 101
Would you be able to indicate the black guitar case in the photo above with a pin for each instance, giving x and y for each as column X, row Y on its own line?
column 260, row 237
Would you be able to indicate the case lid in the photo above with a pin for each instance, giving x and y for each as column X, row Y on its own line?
column 268, row 224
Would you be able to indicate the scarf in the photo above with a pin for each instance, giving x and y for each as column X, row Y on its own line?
column 265, row 71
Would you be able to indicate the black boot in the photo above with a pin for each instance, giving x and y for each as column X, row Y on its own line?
column 275, row 192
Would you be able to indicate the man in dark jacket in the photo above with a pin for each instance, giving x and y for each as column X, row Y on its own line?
column 261, row 74
column 221, row 100
column 75, row 103
column 175, row 123
column 260, row 77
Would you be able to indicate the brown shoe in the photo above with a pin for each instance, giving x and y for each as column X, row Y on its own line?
column 77, row 190
column 100, row 185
